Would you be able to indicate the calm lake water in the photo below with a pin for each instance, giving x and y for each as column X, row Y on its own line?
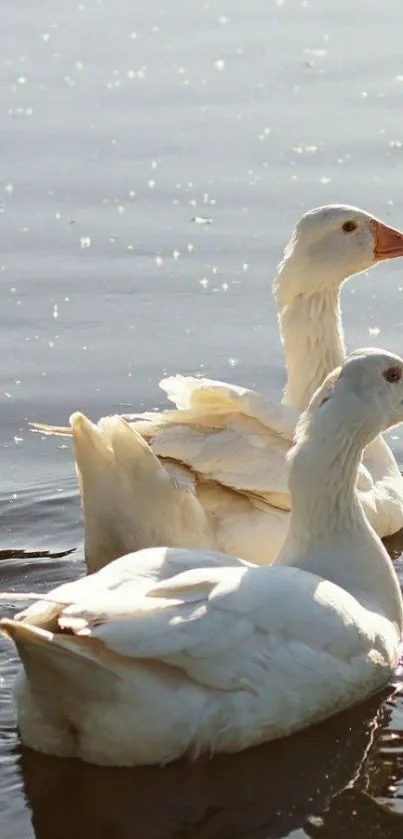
column 121, row 124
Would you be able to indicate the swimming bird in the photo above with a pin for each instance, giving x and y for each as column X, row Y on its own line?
column 229, row 443
column 172, row 652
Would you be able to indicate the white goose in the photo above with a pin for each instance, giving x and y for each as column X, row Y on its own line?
column 170, row 652
column 226, row 444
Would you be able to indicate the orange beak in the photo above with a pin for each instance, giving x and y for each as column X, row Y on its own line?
column 388, row 241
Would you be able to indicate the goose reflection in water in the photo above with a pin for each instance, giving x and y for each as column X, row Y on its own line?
column 312, row 784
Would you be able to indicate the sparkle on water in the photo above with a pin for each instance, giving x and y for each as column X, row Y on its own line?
column 154, row 159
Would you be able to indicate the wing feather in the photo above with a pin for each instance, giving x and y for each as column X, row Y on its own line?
column 224, row 626
column 225, row 433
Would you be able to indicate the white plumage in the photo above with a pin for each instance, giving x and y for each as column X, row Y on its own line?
column 227, row 445
column 170, row 651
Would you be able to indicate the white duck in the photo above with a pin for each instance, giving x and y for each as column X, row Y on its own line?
column 230, row 443
column 170, row 652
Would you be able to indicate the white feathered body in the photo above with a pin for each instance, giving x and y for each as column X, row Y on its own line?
column 228, row 443
column 164, row 661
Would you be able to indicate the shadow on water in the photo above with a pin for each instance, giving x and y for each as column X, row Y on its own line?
column 394, row 545
column 12, row 553
column 316, row 782
column 355, row 813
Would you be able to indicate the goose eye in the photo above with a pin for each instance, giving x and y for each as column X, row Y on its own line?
column 349, row 226
column 392, row 374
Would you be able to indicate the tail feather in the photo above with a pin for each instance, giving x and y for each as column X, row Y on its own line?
column 44, row 612
column 111, row 446
column 22, row 633
column 14, row 596
column 88, row 435
column 128, row 447
column 50, row 430
column 130, row 501
column 53, row 660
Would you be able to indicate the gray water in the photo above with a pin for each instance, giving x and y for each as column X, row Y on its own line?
column 121, row 123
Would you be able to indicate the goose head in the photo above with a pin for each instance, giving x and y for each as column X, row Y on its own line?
column 365, row 393
column 330, row 244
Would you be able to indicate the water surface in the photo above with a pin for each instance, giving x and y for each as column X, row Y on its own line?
column 121, row 124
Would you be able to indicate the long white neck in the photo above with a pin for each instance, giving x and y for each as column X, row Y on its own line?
column 329, row 534
column 311, row 333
